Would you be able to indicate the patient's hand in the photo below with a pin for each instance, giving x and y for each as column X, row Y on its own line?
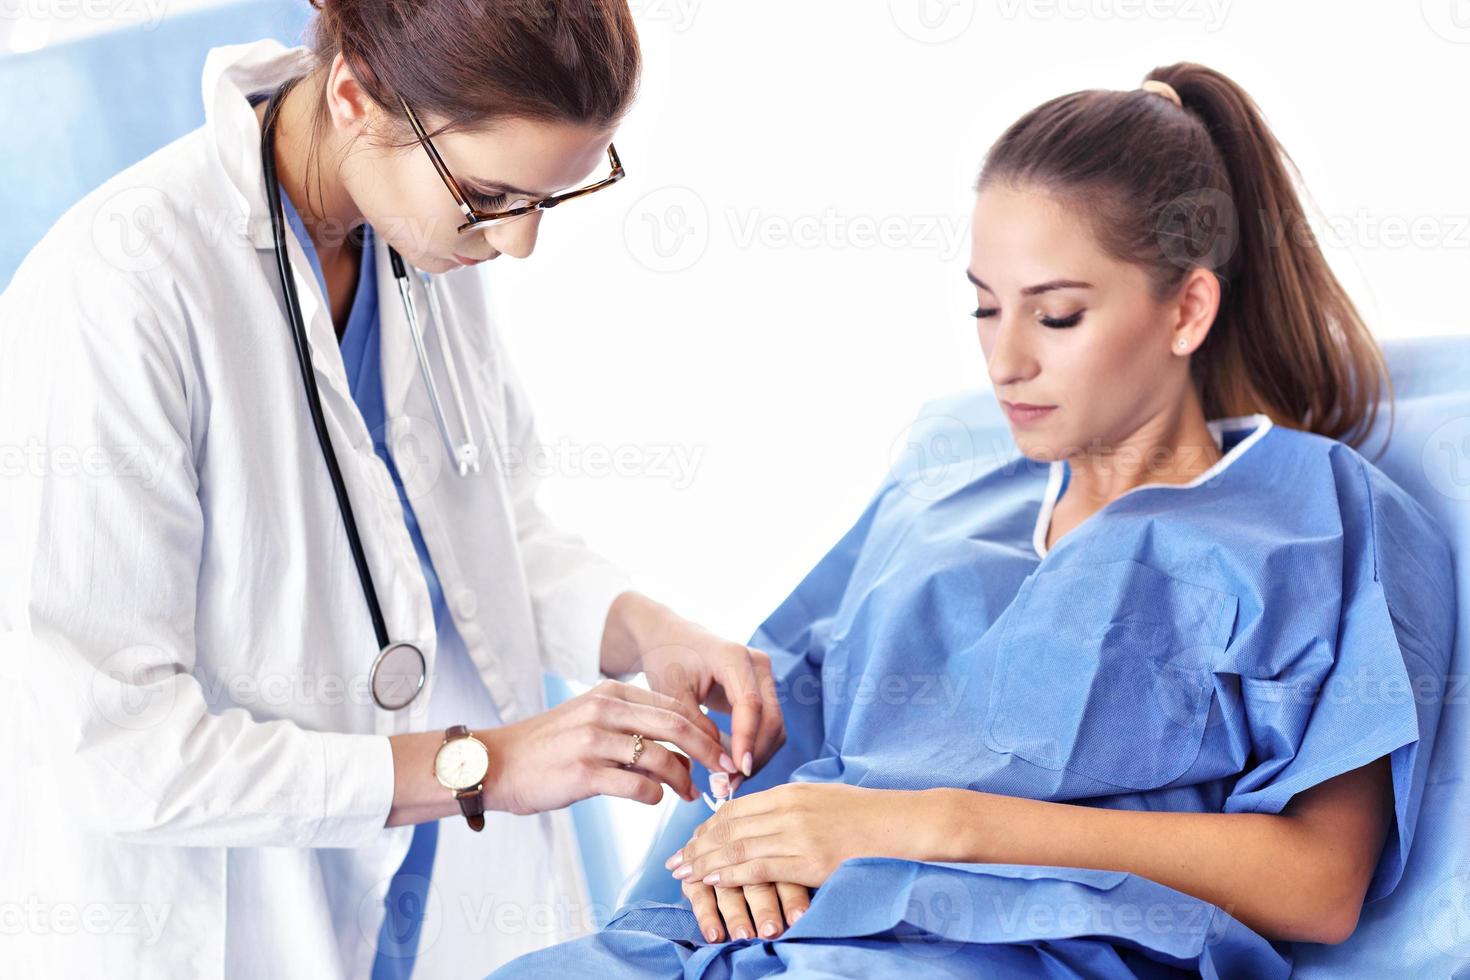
column 763, row 910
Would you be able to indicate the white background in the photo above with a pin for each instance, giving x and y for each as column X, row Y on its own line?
column 777, row 286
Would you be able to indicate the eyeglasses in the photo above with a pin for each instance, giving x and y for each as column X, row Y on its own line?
column 477, row 219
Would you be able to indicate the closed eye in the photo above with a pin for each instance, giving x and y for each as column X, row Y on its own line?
column 1056, row 323
column 1059, row 323
column 485, row 202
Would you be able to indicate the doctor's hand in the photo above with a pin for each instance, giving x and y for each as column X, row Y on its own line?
column 584, row 747
column 744, row 913
column 685, row 661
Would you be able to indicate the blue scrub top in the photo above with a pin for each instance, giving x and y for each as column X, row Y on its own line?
column 361, row 354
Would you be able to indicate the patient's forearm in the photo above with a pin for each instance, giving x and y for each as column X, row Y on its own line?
column 1292, row 876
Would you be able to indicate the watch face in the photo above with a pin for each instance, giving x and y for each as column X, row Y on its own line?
column 461, row 763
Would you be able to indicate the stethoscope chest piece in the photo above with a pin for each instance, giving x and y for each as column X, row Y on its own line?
column 398, row 675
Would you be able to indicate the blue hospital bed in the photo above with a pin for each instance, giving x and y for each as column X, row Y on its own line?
column 132, row 91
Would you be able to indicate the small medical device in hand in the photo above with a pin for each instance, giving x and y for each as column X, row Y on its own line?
column 719, row 785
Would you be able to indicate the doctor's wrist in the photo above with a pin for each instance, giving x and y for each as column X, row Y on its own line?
column 635, row 624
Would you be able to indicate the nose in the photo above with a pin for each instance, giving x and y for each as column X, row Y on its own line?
column 1009, row 359
column 515, row 238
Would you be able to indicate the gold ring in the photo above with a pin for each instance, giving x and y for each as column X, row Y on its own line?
column 637, row 749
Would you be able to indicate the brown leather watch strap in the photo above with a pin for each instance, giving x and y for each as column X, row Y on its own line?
column 473, row 806
column 470, row 801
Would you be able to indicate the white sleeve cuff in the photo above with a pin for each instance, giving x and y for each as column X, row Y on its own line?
column 358, row 789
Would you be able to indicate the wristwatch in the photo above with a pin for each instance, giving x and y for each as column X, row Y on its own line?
column 461, row 765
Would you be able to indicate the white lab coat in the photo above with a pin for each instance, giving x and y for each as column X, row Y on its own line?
column 195, row 776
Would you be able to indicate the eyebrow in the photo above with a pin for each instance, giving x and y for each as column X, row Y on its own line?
column 1041, row 287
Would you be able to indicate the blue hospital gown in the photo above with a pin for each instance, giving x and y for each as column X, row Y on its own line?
column 1212, row 647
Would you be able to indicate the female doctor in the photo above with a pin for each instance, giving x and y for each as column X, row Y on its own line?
column 277, row 595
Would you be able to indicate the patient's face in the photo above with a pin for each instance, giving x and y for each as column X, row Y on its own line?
column 1063, row 324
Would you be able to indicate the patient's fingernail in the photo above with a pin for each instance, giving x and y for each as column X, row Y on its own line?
column 711, row 934
column 712, row 878
column 683, row 872
column 742, row 933
column 796, row 914
column 768, row 928
column 749, row 760
column 727, row 763
column 676, row 859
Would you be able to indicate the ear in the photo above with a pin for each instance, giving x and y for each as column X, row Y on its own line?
column 1198, row 300
column 348, row 104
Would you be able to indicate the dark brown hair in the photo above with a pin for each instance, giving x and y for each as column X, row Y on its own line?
column 1171, row 189
column 471, row 62
column 468, row 63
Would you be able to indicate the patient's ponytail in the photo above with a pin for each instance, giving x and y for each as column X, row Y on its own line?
column 1170, row 187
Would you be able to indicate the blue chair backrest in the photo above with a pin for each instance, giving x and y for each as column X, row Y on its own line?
column 75, row 114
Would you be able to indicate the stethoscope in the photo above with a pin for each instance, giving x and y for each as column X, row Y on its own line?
column 400, row 669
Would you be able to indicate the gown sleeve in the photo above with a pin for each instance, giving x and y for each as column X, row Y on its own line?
column 1367, row 676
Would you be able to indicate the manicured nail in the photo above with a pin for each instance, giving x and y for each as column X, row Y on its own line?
column 683, row 872
column 713, row 878
column 727, row 763
column 742, row 933
column 677, row 859
column 796, row 915
column 711, row 935
column 768, row 928
column 749, row 760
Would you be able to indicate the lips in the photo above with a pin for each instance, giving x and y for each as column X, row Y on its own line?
column 464, row 261
column 1022, row 412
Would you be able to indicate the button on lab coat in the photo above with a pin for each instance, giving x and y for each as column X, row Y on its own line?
column 196, row 777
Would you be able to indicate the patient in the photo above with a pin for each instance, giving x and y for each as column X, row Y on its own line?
column 1155, row 696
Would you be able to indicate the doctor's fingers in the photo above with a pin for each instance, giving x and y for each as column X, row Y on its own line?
column 620, row 691
column 655, row 760
column 772, row 732
column 740, row 678
column 655, row 720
